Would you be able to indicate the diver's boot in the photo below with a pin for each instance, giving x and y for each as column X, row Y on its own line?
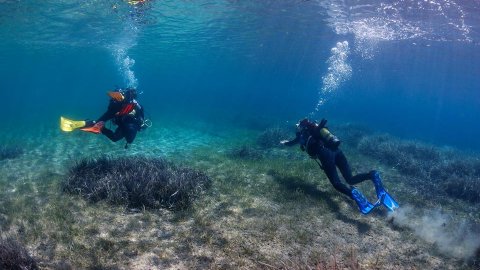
column 363, row 204
column 383, row 196
column 96, row 128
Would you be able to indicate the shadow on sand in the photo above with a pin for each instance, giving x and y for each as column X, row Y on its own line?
column 292, row 183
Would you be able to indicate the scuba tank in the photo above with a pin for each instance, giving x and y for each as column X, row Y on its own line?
column 328, row 138
column 318, row 134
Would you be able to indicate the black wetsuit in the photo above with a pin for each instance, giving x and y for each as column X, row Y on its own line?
column 128, row 116
column 330, row 158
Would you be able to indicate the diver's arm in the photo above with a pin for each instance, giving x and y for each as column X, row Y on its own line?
column 106, row 116
column 140, row 116
column 140, row 112
column 291, row 142
column 110, row 113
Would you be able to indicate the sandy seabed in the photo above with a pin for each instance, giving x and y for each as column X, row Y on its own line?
column 271, row 211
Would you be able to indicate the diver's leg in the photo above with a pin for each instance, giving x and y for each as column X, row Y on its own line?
column 358, row 178
column 344, row 167
column 113, row 136
column 327, row 158
column 342, row 164
column 130, row 132
column 331, row 171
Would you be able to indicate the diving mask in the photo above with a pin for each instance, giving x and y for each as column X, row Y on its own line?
column 115, row 95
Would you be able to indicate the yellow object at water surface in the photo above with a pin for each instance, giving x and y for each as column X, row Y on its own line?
column 68, row 125
column 136, row 2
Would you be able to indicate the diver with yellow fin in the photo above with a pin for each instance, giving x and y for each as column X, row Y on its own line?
column 320, row 143
column 68, row 125
column 124, row 111
column 136, row 2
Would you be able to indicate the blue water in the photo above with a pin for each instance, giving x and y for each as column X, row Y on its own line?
column 409, row 68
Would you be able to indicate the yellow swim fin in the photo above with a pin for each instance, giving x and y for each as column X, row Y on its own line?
column 68, row 125
column 136, row 2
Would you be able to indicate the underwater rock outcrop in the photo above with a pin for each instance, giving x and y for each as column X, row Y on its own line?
column 14, row 256
column 411, row 158
column 135, row 182
column 10, row 152
column 271, row 137
column 455, row 173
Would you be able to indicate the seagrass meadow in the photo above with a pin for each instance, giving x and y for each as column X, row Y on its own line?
column 265, row 207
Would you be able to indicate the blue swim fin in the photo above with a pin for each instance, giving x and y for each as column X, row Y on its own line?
column 363, row 204
column 383, row 196
column 389, row 202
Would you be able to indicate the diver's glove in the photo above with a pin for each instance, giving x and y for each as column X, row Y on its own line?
column 89, row 123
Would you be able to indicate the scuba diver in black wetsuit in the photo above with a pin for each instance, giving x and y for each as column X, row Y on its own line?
column 124, row 111
column 319, row 143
